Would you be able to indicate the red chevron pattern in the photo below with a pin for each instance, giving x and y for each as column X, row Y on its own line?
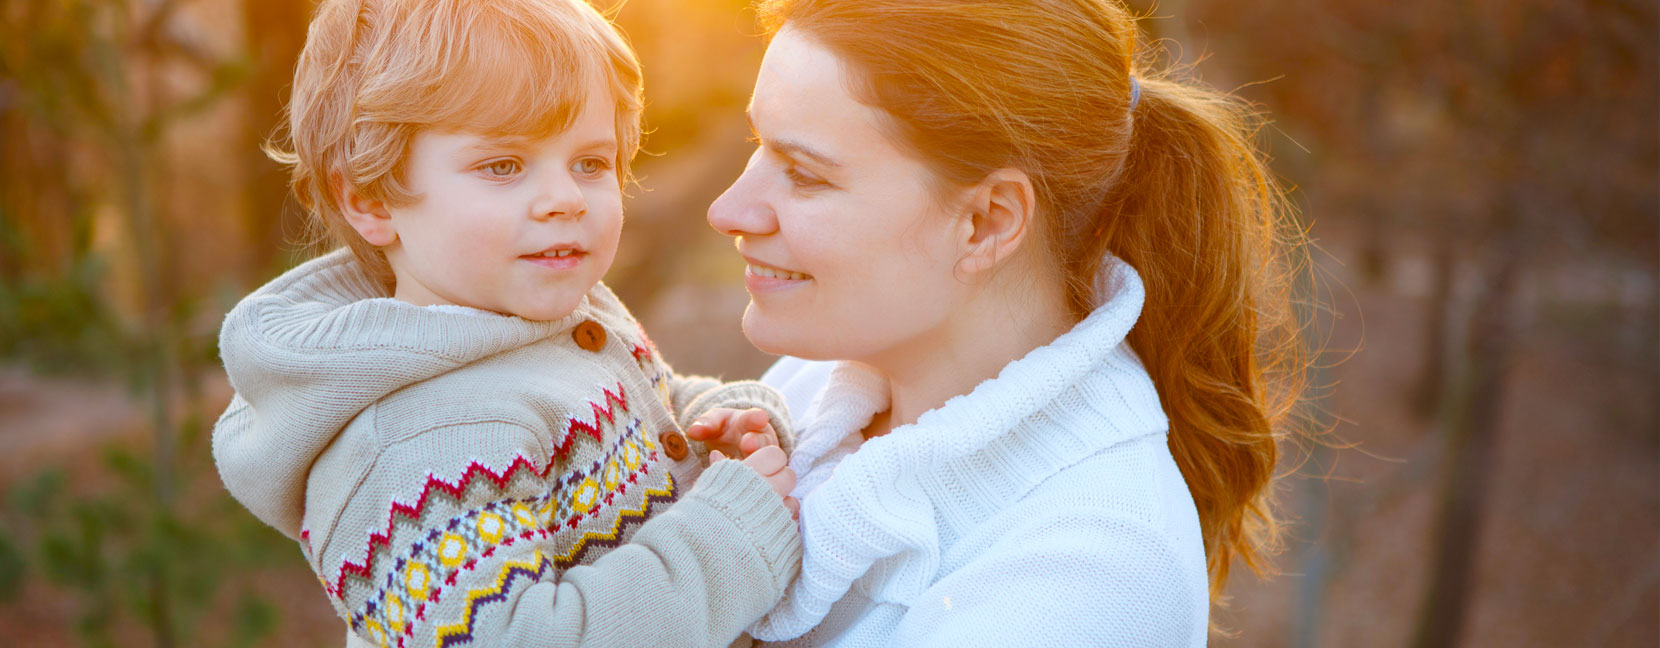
column 379, row 540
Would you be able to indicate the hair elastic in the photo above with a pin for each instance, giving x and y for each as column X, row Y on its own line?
column 1135, row 93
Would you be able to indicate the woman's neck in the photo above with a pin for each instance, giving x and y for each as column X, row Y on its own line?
column 970, row 347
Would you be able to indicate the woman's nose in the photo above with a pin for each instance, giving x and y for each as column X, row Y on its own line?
column 742, row 209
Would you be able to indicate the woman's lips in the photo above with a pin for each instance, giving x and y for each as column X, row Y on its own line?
column 760, row 278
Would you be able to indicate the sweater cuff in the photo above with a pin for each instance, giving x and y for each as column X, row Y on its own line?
column 743, row 394
column 745, row 498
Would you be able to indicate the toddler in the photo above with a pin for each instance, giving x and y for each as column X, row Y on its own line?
column 470, row 437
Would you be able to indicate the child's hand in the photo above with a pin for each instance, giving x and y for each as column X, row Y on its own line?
column 774, row 467
column 735, row 433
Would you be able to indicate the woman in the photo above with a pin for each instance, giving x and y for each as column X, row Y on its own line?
column 1051, row 282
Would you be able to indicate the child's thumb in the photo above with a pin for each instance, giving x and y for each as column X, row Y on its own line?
column 714, row 456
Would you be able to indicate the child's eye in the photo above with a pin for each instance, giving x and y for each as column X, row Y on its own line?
column 501, row 168
column 590, row 166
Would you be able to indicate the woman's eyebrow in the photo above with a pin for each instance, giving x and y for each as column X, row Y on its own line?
column 793, row 148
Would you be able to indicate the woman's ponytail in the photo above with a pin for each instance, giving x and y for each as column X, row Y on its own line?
column 1197, row 214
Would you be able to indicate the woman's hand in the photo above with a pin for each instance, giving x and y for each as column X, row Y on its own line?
column 774, row 467
column 734, row 433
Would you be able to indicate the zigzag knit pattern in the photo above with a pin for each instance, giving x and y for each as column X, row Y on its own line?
column 454, row 490
column 584, row 511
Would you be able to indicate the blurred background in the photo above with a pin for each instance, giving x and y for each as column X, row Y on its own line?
column 1479, row 177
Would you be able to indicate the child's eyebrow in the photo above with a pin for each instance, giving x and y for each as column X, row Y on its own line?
column 606, row 143
column 491, row 144
column 520, row 143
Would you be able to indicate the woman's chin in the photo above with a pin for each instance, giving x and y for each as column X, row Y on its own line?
column 769, row 334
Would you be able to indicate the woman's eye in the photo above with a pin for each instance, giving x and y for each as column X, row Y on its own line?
column 590, row 166
column 501, row 168
column 800, row 179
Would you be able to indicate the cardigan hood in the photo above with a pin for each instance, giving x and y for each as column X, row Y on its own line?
column 875, row 509
column 284, row 347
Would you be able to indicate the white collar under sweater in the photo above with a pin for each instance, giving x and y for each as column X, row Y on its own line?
column 868, row 507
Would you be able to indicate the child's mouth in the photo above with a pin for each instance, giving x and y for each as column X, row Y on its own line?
column 557, row 259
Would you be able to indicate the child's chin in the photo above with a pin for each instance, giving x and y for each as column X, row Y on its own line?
column 547, row 311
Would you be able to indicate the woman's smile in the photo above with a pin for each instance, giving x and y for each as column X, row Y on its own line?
column 762, row 278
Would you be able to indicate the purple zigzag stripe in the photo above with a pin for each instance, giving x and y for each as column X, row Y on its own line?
column 498, row 595
column 628, row 519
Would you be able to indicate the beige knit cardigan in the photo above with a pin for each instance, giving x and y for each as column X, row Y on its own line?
column 458, row 479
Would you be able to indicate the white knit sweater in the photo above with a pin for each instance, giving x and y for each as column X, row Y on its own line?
column 1043, row 508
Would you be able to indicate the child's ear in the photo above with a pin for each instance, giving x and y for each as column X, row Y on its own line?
column 1001, row 209
column 369, row 217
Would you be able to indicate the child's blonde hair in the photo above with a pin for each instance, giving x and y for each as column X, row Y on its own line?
column 374, row 73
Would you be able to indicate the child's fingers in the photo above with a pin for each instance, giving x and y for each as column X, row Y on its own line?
column 753, row 419
column 716, row 456
column 782, row 482
column 794, row 505
column 767, row 461
column 753, row 441
column 710, row 426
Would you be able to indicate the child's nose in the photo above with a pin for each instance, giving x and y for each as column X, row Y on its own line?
column 559, row 197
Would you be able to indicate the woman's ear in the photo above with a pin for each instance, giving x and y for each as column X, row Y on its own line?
column 1002, row 210
column 369, row 217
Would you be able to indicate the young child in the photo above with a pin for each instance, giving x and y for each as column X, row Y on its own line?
column 470, row 437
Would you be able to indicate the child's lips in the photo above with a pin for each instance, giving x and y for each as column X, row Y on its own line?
column 563, row 259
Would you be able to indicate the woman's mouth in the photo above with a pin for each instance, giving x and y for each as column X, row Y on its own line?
column 767, row 272
column 761, row 279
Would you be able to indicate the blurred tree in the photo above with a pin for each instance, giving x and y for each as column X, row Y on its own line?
column 275, row 34
column 1512, row 138
column 103, row 78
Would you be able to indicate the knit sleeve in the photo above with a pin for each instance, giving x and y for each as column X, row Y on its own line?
column 1079, row 578
column 694, row 396
column 694, row 575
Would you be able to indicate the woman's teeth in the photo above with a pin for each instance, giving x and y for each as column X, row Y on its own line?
column 555, row 253
column 774, row 273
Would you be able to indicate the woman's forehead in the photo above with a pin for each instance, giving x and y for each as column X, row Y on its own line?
column 801, row 95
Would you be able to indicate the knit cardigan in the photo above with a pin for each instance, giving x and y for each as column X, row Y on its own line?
column 481, row 479
column 1042, row 508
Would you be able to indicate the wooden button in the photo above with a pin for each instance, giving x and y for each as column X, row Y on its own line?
column 589, row 335
column 674, row 444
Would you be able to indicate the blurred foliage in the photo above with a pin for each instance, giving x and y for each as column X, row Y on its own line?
column 122, row 555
